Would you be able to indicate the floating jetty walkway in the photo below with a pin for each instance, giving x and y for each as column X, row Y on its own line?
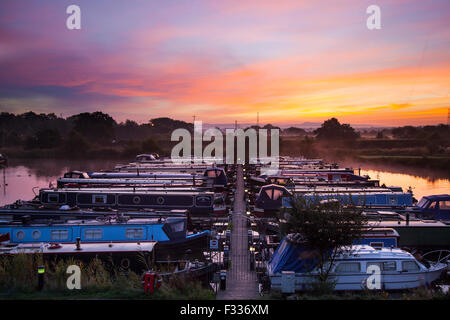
column 241, row 282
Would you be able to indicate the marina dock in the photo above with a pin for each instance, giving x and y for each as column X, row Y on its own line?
column 241, row 282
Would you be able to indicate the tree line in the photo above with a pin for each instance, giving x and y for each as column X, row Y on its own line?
column 97, row 129
column 31, row 131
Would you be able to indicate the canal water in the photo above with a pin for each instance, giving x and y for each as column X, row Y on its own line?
column 23, row 178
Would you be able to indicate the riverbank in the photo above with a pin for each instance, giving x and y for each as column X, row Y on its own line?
column 98, row 280
column 117, row 153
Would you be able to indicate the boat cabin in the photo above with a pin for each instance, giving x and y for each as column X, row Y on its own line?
column 197, row 202
column 435, row 207
column 294, row 265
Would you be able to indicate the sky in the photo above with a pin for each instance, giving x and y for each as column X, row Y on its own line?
column 291, row 61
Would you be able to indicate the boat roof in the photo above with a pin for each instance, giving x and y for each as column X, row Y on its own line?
column 381, row 232
column 125, row 191
column 365, row 252
column 100, row 222
column 411, row 223
column 146, row 246
column 438, row 197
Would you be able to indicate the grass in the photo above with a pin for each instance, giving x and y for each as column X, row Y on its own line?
column 18, row 280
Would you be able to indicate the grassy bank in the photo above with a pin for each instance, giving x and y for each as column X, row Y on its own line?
column 19, row 279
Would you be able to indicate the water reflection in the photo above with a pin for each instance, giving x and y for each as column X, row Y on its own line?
column 423, row 181
column 22, row 177
column 420, row 186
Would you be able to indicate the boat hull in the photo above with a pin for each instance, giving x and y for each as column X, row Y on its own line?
column 356, row 281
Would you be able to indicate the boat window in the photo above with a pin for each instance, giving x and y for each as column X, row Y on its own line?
column 134, row 233
column 99, row 199
column 93, row 234
column 392, row 200
column 178, row 227
column 53, row 198
column 277, row 194
column 219, row 200
column 389, row 266
column 59, row 235
column 348, row 267
column 423, row 203
column 432, row 205
column 444, row 205
column 212, row 174
column 20, row 235
column 410, row 266
column 36, row 234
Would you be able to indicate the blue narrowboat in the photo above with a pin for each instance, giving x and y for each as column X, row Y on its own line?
column 273, row 197
column 170, row 233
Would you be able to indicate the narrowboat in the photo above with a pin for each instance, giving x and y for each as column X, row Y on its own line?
column 215, row 176
column 290, row 182
column 198, row 203
column 34, row 210
column 135, row 256
column 132, row 182
column 399, row 270
column 422, row 235
column 170, row 233
column 273, row 197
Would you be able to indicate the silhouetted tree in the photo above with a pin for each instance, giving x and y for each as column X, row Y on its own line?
column 294, row 131
column 48, row 138
column 76, row 144
column 326, row 227
column 96, row 126
column 150, row 146
column 332, row 130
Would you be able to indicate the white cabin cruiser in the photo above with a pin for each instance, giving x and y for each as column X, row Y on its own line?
column 351, row 269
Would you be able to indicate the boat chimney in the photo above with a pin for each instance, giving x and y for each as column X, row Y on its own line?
column 78, row 243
